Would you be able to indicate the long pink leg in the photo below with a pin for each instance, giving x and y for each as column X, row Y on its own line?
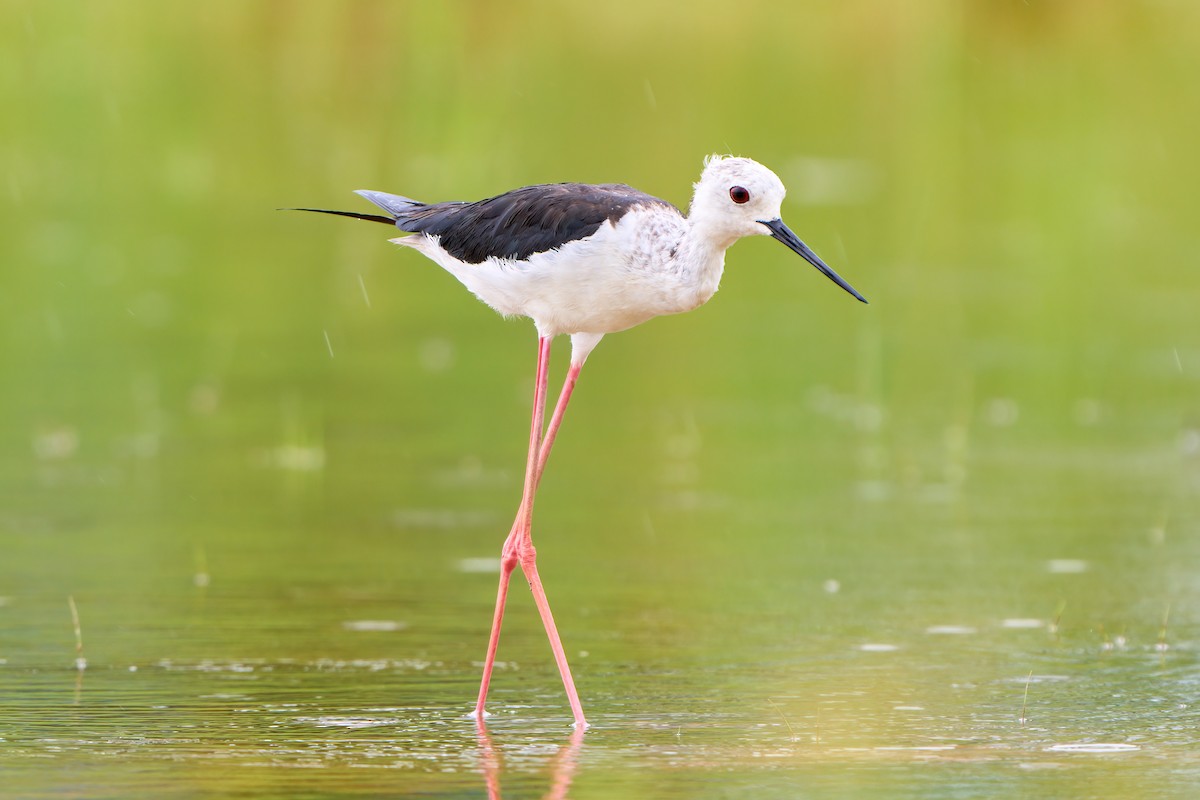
column 556, row 419
column 509, row 556
column 518, row 547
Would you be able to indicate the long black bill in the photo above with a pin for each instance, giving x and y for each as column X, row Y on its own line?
column 784, row 234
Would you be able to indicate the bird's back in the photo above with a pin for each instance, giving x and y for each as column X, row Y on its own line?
column 517, row 224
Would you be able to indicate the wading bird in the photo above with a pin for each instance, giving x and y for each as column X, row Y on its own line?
column 585, row 260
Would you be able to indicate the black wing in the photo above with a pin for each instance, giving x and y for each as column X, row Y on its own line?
column 522, row 222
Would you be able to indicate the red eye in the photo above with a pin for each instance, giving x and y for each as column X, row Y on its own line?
column 739, row 195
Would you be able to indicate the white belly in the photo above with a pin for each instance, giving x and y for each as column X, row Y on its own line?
column 618, row 278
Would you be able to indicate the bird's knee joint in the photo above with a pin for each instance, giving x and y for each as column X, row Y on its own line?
column 523, row 555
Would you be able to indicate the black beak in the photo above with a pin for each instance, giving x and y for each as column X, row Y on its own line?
column 784, row 234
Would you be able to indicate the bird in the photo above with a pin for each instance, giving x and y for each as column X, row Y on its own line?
column 583, row 261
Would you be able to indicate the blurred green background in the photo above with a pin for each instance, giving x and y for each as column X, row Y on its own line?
column 234, row 433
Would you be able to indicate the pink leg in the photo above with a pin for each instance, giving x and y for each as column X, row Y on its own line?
column 518, row 547
column 556, row 419
column 506, row 569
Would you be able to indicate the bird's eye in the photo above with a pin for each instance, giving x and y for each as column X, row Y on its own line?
column 739, row 195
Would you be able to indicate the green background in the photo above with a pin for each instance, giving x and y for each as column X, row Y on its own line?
column 796, row 546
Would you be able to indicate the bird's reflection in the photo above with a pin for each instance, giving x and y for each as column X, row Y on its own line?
column 562, row 768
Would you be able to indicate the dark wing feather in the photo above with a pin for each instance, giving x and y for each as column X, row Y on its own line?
column 525, row 221
column 353, row 214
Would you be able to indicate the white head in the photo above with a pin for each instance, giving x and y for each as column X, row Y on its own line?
column 738, row 197
column 734, row 197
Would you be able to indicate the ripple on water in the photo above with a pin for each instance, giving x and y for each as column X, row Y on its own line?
column 1020, row 623
column 350, row 723
column 383, row 625
column 1093, row 747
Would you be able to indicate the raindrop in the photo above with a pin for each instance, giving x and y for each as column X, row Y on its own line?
column 362, row 285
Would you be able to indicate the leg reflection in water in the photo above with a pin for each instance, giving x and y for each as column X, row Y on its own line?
column 562, row 768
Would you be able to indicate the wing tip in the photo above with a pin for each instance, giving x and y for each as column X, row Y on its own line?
column 394, row 204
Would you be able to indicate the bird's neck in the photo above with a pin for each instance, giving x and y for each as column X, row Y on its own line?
column 711, row 228
column 705, row 259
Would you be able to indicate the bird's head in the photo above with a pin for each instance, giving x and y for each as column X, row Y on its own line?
column 733, row 196
column 738, row 197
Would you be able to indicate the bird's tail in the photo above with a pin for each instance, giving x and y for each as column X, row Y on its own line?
column 396, row 205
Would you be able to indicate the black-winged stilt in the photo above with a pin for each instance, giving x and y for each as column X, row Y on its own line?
column 585, row 260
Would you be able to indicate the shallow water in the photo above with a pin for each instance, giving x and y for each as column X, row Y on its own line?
column 906, row 652
column 980, row 711
column 944, row 545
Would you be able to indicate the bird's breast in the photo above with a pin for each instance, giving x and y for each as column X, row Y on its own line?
column 624, row 274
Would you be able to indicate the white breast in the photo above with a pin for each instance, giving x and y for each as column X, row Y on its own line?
column 645, row 266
